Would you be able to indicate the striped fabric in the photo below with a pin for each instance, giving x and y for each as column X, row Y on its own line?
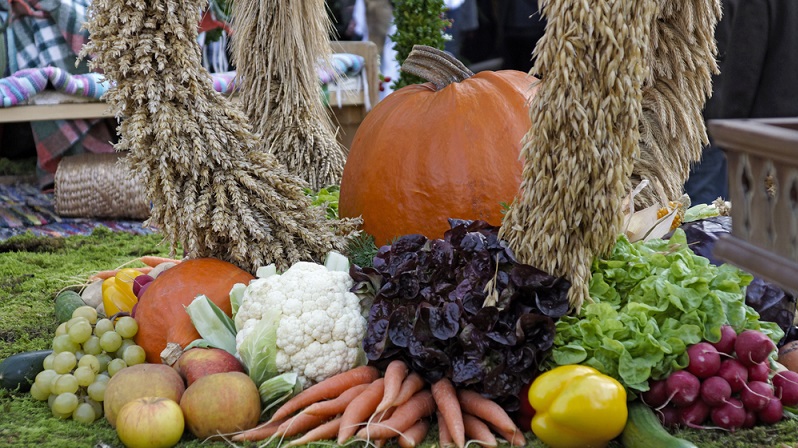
column 24, row 84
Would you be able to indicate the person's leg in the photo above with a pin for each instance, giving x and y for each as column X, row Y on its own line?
column 709, row 178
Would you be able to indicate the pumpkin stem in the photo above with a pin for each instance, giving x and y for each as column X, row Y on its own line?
column 171, row 353
column 436, row 66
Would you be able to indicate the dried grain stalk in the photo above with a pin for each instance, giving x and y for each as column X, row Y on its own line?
column 584, row 136
column 213, row 186
column 277, row 46
column 681, row 62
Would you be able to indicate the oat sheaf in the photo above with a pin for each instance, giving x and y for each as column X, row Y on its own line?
column 584, row 136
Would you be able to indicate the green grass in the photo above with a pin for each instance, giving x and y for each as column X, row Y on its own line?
column 33, row 270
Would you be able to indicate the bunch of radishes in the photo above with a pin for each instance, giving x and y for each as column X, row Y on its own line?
column 729, row 383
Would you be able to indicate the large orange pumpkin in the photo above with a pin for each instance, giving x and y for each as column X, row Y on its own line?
column 439, row 150
column 161, row 313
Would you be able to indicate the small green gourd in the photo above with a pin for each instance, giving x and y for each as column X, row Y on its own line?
column 65, row 303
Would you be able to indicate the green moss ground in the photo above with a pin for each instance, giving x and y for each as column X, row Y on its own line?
column 33, row 270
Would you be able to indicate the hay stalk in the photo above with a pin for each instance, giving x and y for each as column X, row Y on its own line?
column 214, row 187
column 277, row 46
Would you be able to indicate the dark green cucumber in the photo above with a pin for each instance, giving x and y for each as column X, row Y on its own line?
column 17, row 372
column 644, row 430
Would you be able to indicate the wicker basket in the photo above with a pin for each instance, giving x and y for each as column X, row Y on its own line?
column 98, row 186
column 763, row 187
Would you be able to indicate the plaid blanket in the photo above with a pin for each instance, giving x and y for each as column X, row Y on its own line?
column 48, row 33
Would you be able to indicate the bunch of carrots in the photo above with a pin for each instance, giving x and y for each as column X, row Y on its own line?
column 150, row 262
column 366, row 405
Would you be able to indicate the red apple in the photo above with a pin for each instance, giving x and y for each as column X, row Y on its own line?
column 221, row 403
column 195, row 363
column 153, row 422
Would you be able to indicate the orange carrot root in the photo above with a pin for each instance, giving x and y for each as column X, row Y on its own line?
column 152, row 260
column 325, row 431
column 414, row 434
column 417, row 407
column 486, row 410
column 360, row 409
column 103, row 275
column 478, row 431
column 328, row 389
column 337, row 405
column 444, row 438
column 260, row 432
column 515, row 438
column 395, row 374
column 446, row 401
column 411, row 384
column 298, row 424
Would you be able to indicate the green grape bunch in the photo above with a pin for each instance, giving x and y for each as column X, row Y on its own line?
column 87, row 351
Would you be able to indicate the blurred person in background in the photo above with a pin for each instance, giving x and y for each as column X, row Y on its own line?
column 758, row 59
column 464, row 17
column 342, row 16
column 520, row 28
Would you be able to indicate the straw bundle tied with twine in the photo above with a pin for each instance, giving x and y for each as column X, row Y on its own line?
column 619, row 80
column 277, row 46
column 214, row 186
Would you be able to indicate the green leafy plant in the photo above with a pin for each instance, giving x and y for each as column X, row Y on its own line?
column 650, row 301
column 326, row 197
column 418, row 22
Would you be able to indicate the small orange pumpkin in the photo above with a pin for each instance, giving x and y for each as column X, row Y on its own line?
column 448, row 148
column 161, row 312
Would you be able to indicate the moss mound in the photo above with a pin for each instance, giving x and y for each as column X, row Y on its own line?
column 34, row 269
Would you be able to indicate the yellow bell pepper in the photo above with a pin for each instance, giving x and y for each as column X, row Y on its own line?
column 577, row 407
column 118, row 292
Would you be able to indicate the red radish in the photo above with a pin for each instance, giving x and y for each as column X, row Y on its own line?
column 715, row 391
column 694, row 415
column 683, row 388
column 727, row 338
column 785, row 384
column 772, row 413
column 759, row 372
column 750, row 419
column 669, row 416
column 756, row 395
column 142, row 289
column 734, row 372
column 704, row 360
column 656, row 395
column 753, row 347
column 139, row 282
column 729, row 415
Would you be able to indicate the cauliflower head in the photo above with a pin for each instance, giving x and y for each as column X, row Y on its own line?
column 320, row 325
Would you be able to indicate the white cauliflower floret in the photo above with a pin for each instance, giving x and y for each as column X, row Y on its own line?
column 321, row 324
